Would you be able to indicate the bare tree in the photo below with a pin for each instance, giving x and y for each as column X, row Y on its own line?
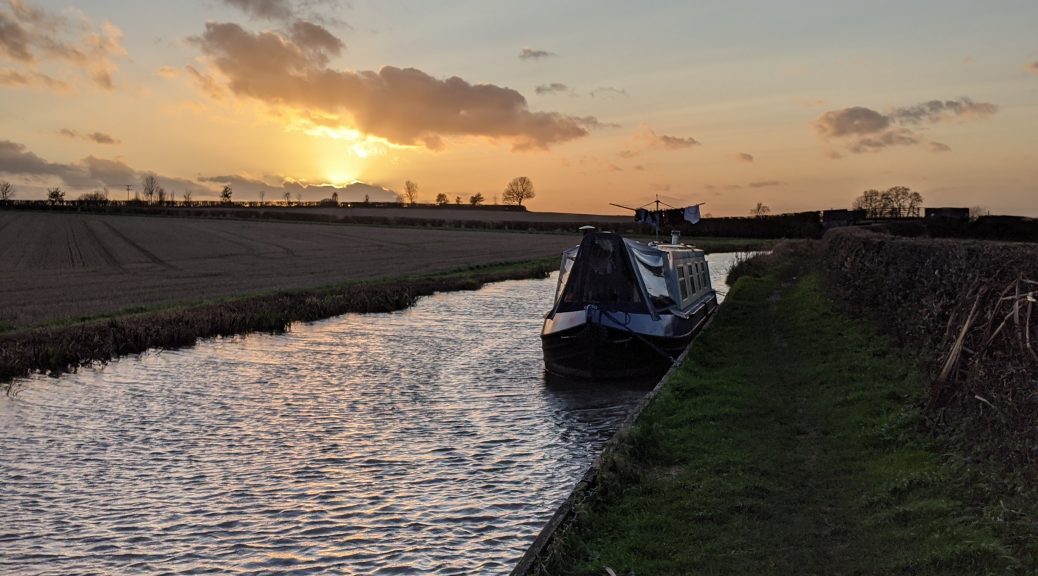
column 894, row 202
column 150, row 185
column 6, row 191
column 225, row 194
column 187, row 197
column 518, row 189
column 411, row 191
column 161, row 194
column 262, row 195
column 476, row 199
column 288, row 198
column 760, row 210
column 55, row 196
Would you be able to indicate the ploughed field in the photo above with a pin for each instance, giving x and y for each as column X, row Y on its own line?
column 67, row 266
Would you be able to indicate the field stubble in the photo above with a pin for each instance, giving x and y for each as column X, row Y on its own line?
column 63, row 267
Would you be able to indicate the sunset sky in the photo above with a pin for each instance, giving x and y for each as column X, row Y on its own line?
column 800, row 105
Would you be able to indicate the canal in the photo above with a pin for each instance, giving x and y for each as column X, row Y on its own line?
column 426, row 441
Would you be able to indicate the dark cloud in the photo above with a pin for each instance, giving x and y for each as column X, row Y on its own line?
column 531, row 54
column 936, row 111
column 31, row 36
column 268, row 9
column 851, row 121
column 96, row 137
column 676, row 142
column 88, row 173
column 316, row 40
column 938, row 147
column 862, row 129
column 402, row 105
column 14, row 39
column 767, row 184
column 553, row 88
column 744, row 157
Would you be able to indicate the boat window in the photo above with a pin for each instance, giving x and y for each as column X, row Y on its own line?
column 706, row 275
column 693, row 280
column 683, row 283
column 655, row 283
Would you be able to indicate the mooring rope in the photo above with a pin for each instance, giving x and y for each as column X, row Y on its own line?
column 623, row 325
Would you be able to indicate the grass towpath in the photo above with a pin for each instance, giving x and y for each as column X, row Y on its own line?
column 789, row 443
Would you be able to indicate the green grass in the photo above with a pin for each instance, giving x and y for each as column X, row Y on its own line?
column 789, row 443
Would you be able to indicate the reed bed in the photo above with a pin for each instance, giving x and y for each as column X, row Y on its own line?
column 55, row 350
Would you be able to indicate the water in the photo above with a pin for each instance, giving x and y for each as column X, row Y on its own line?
column 426, row 441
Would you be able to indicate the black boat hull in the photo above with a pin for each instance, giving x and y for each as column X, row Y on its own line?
column 593, row 351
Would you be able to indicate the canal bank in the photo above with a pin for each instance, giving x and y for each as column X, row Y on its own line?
column 791, row 440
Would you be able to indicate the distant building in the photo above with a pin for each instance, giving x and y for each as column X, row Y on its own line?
column 838, row 218
column 953, row 214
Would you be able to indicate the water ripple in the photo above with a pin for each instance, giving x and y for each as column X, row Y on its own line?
column 420, row 442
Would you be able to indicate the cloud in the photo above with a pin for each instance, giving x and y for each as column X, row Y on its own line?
column 531, row 54
column 936, row 111
column 862, row 129
column 166, row 72
column 285, row 10
column 649, row 139
column 553, row 88
column 268, row 9
column 744, row 157
column 938, row 147
column 33, row 37
column 1031, row 67
column 767, row 184
column 608, row 92
column 90, row 172
column 250, row 187
column 403, row 106
column 96, row 137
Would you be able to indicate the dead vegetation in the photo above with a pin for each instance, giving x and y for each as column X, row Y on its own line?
column 969, row 307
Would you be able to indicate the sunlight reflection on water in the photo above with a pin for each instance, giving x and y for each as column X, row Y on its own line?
column 422, row 441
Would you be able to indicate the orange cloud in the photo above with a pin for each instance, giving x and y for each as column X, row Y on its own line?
column 866, row 130
column 34, row 37
column 403, row 106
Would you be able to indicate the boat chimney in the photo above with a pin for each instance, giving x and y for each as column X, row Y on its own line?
column 585, row 230
column 675, row 236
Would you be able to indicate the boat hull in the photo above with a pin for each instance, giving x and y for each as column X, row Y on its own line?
column 594, row 351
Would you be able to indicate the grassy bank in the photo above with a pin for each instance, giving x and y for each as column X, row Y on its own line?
column 790, row 443
column 65, row 347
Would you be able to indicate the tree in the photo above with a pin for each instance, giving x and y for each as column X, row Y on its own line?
column 335, row 198
column 411, row 191
column 476, row 199
column 299, row 198
column 55, row 196
column 161, row 193
column 760, row 210
column 894, row 202
column 96, row 196
column 225, row 194
column 187, row 197
column 518, row 189
column 150, row 185
column 457, row 200
column 288, row 198
column 262, row 195
column 441, row 199
column 6, row 191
